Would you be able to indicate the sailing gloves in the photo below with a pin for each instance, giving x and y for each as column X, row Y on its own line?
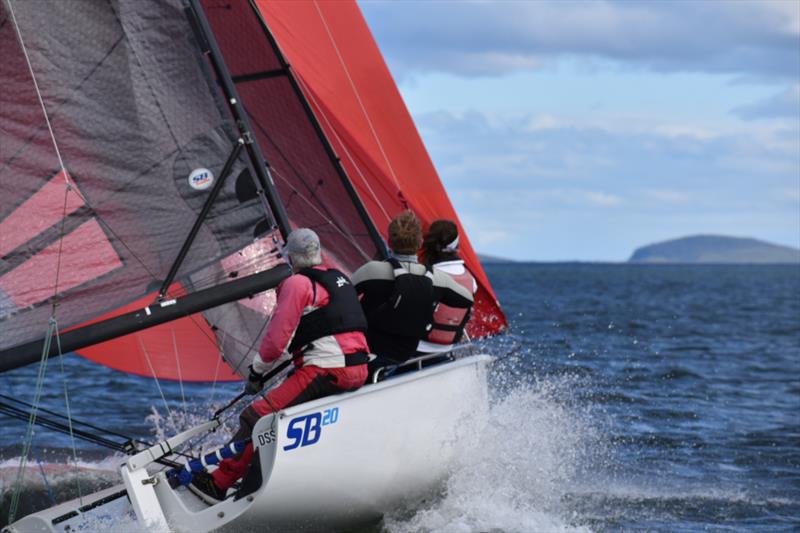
column 254, row 382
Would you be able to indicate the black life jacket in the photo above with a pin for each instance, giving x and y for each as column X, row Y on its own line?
column 343, row 312
column 408, row 312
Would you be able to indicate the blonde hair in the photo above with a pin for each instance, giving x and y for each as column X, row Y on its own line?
column 405, row 233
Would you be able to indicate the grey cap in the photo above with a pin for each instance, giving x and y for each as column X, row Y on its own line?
column 302, row 242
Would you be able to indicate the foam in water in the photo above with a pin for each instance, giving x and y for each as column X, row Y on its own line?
column 64, row 480
column 516, row 472
column 126, row 522
column 516, row 467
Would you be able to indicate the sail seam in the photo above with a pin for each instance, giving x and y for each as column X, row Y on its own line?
column 320, row 213
column 357, row 95
column 36, row 87
column 220, row 345
column 284, row 158
column 344, row 148
column 143, row 70
column 56, row 108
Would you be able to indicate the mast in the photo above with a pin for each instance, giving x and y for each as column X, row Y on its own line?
column 173, row 271
column 286, row 70
column 208, row 43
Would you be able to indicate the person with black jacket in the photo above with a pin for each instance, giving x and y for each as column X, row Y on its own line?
column 399, row 295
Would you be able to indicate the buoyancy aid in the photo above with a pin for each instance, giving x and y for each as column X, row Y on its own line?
column 408, row 312
column 343, row 312
column 449, row 322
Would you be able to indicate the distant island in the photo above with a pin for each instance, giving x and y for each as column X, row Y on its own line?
column 485, row 259
column 715, row 249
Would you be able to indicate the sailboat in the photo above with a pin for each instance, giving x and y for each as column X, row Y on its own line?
column 154, row 154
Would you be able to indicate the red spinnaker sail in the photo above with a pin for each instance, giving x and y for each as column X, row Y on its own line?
column 343, row 75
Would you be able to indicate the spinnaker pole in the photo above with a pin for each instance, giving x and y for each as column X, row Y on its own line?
column 147, row 317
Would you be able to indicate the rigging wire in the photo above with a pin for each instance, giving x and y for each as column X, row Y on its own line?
column 46, row 483
column 52, row 323
column 178, row 365
column 357, row 95
column 328, row 221
column 14, row 410
column 347, row 152
column 288, row 162
column 155, row 376
column 27, row 441
column 257, row 339
column 36, row 87
column 69, row 411
column 221, row 344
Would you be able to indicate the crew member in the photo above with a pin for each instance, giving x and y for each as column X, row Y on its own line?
column 317, row 322
column 440, row 252
column 399, row 295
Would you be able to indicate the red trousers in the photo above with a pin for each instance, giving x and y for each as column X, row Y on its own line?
column 305, row 384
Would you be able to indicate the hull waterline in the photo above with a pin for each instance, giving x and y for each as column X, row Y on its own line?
column 335, row 462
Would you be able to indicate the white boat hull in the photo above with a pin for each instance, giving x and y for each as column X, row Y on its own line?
column 332, row 462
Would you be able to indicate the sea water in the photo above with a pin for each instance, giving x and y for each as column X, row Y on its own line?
column 625, row 398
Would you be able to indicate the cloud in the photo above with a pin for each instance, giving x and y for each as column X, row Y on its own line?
column 666, row 196
column 743, row 37
column 785, row 104
column 601, row 199
column 556, row 189
column 471, row 149
column 485, row 237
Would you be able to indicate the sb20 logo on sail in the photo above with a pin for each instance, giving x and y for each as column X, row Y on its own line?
column 307, row 429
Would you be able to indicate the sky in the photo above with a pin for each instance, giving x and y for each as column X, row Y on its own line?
column 581, row 130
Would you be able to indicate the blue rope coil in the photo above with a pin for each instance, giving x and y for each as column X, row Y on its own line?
column 183, row 476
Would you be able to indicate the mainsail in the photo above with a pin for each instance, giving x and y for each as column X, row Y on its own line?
column 109, row 115
column 118, row 122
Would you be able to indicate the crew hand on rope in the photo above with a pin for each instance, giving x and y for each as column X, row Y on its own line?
column 255, row 382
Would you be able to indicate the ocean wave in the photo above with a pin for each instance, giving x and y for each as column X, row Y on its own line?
column 514, row 471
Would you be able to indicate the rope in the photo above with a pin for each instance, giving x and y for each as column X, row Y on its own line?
column 357, row 95
column 178, row 364
column 46, row 483
column 347, row 152
column 69, row 412
column 38, row 92
column 52, row 324
column 26, row 443
column 326, row 219
column 155, row 376
column 221, row 344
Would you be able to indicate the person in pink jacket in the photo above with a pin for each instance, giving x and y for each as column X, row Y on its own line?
column 318, row 323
